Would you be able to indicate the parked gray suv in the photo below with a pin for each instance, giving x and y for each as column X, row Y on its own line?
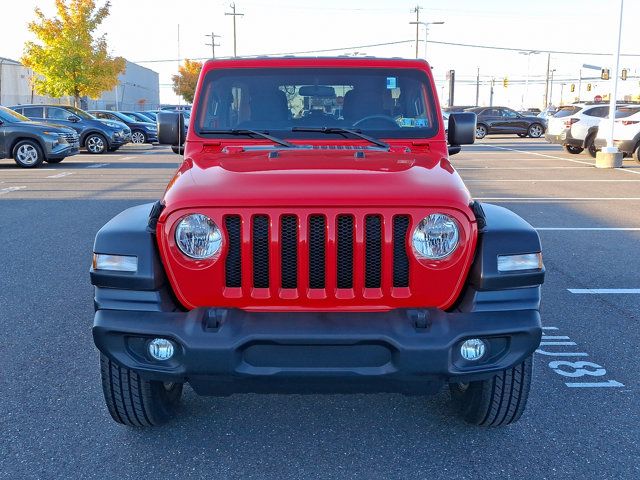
column 31, row 143
column 97, row 136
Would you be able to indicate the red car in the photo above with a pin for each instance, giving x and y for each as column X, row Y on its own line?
column 315, row 239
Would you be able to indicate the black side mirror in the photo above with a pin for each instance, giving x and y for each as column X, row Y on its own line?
column 462, row 130
column 171, row 129
column 73, row 118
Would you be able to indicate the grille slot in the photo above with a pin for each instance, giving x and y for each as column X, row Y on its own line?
column 233, row 265
column 400, row 257
column 317, row 239
column 373, row 252
column 345, row 251
column 289, row 251
column 260, row 241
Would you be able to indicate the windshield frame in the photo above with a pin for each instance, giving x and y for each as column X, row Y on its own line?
column 431, row 106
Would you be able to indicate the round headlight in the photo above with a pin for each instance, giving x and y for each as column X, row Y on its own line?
column 198, row 236
column 435, row 237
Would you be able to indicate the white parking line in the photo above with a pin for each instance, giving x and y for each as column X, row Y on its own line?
column 97, row 165
column 4, row 191
column 127, row 158
column 60, row 175
column 605, row 291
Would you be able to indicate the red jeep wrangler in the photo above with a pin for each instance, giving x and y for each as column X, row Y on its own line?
column 316, row 239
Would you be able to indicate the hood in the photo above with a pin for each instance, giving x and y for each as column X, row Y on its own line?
column 316, row 177
column 111, row 123
column 49, row 126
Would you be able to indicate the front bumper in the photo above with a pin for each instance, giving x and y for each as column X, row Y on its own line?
column 62, row 150
column 224, row 351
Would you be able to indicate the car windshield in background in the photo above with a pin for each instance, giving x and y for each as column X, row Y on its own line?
column 391, row 103
column 11, row 116
column 80, row 113
column 566, row 111
column 624, row 112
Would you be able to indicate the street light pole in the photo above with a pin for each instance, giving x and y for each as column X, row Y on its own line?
column 526, row 83
column 610, row 148
column 551, row 87
column 213, row 43
column 426, row 33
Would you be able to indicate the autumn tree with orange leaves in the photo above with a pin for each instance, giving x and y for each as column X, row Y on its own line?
column 184, row 84
column 67, row 57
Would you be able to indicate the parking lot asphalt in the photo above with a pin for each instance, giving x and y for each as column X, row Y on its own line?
column 583, row 417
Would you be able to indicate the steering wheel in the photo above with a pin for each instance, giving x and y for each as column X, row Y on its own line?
column 385, row 118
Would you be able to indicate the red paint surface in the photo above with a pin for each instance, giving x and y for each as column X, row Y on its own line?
column 218, row 178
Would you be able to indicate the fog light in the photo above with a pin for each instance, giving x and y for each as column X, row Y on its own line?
column 473, row 349
column 161, row 349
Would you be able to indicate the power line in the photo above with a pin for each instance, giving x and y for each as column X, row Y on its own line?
column 399, row 42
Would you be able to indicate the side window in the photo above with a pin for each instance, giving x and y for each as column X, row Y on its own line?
column 491, row 112
column 101, row 115
column 508, row 113
column 599, row 112
column 34, row 112
column 57, row 113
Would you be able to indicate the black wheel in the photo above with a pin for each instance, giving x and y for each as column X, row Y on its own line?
column 95, row 143
column 138, row 136
column 28, row 154
column 495, row 402
column 535, row 130
column 53, row 160
column 573, row 150
column 136, row 402
column 637, row 155
column 591, row 146
column 481, row 131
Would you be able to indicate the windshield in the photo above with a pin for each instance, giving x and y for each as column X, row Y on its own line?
column 391, row 103
column 11, row 116
column 126, row 118
column 80, row 113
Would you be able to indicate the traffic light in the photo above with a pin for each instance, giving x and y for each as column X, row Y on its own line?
column 623, row 76
column 588, row 87
column 573, row 87
column 604, row 75
column 505, row 82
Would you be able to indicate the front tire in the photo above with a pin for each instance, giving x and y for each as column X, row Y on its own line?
column 138, row 137
column 28, row 154
column 637, row 153
column 535, row 130
column 573, row 150
column 134, row 401
column 96, row 144
column 481, row 131
column 590, row 145
column 495, row 402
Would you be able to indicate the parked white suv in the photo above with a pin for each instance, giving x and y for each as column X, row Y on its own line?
column 575, row 126
column 626, row 131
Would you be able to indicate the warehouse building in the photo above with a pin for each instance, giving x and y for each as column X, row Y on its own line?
column 138, row 89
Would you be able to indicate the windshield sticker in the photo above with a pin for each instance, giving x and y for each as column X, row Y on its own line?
column 392, row 82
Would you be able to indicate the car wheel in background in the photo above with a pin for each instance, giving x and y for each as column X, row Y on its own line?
column 536, row 130
column 138, row 137
column 573, row 150
column 637, row 153
column 497, row 401
column 28, row 154
column 591, row 146
column 481, row 131
column 95, row 144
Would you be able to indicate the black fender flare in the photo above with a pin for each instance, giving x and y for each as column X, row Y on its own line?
column 591, row 134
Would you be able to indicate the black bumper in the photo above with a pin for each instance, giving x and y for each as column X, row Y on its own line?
column 564, row 138
column 220, row 352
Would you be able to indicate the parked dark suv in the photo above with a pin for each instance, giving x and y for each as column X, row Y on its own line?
column 30, row 143
column 493, row 120
column 97, row 136
column 141, row 132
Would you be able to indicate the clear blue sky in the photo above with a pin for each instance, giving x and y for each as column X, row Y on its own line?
column 147, row 30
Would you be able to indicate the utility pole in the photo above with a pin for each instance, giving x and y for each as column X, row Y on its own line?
column 477, row 86
column 416, row 10
column 546, row 88
column 213, row 43
column 493, row 82
column 234, row 15
column 551, row 87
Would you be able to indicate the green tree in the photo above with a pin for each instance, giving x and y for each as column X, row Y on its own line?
column 185, row 82
column 68, row 58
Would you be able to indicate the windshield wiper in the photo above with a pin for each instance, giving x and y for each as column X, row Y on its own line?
column 342, row 131
column 243, row 131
